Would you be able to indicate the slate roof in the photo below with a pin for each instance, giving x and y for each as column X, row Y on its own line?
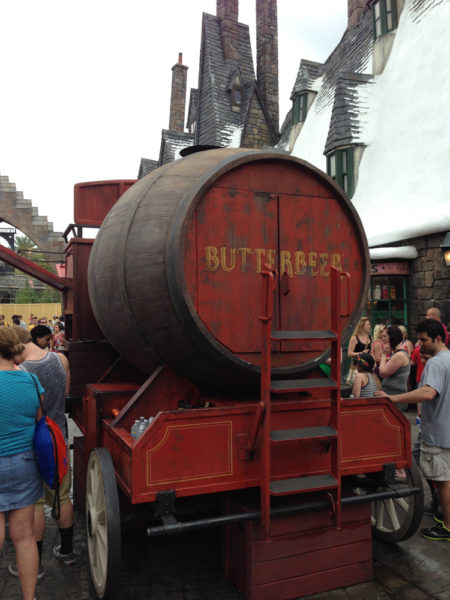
column 350, row 104
column 147, row 166
column 353, row 54
column 307, row 76
column 217, row 123
column 171, row 144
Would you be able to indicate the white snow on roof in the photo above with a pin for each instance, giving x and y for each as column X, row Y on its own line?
column 405, row 252
column 404, row 118
column 232, row 134
column 404, row 176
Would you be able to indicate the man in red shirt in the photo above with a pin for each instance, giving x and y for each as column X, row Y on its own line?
column 435, row 313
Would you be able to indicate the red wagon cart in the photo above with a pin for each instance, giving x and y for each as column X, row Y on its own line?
column 219, row 284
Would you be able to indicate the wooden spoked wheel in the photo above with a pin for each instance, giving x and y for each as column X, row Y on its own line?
column 103, row 523
column 397, row 519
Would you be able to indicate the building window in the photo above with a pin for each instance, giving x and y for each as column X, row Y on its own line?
column 387, row 300
column 299, row 108
column 236, row 95
column 340, row 168
column 192, row 126
column 385, row 17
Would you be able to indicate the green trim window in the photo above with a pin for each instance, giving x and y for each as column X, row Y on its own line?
column 340, row 168
column 299, row 108
column 385, row 17
column 387, row 300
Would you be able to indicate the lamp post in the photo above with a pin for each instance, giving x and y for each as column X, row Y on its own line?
column 445, row 246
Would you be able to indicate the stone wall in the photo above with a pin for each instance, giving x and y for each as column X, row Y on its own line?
column 429, row 279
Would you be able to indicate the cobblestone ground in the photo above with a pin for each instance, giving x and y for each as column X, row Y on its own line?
column 188, row 567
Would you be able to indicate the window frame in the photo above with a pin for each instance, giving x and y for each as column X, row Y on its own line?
column 387, row 11
column 299, row 108
column 340, row 167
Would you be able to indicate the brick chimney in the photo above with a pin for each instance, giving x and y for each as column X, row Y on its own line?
column 227, row 12
column 356, row 9
column 178, row 95
column 227, row 9
column 267, row 56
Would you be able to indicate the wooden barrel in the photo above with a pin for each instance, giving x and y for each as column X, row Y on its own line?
column 174, row 275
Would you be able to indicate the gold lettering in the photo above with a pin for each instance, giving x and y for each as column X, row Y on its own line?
column 260, row 252
column 323, row 264
column 300, row 263
column 285, row 263
column 244, row 252
column 318, row 263
column 336, row 261
column 271, row 255
column 223, row 259
column 212, row 262
column 312, row 259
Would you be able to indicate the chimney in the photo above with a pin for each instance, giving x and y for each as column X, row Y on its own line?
column 356, row 9
column 267, row 56
column 227, row 9
column 178, row 95
column 227, row 12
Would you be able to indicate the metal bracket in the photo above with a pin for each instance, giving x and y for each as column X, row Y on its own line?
column 389, row 474
column 165, row 503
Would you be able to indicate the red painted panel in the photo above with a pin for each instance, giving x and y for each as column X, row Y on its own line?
column 236, row 231
column 289, row 218
column 93, row 200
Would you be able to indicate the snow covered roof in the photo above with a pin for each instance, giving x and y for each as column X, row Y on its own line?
column 404, row 175
column 401, row 116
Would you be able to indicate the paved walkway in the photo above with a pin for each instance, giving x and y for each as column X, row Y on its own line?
column 188, row 568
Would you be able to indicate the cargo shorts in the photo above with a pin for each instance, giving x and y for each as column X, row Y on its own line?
column 64, row 490
column 435, row 462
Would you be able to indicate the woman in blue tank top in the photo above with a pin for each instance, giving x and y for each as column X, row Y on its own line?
column 20, row 483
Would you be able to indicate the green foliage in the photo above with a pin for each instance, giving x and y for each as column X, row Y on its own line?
column 30, row 295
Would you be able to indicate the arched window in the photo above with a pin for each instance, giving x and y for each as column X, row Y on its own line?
column 236, row 94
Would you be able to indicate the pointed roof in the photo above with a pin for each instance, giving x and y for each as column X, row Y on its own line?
column 350, row 104
column 218, row 124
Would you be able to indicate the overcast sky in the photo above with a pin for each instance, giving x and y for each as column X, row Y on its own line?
column 85, row 85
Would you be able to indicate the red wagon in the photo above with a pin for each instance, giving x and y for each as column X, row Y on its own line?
column 219, row 284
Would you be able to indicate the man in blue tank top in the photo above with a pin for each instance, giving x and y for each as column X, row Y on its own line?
column 434, row 396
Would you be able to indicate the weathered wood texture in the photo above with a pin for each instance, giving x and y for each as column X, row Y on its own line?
column 174, row 271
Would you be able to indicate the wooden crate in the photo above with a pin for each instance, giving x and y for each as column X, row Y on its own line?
column 305, row 555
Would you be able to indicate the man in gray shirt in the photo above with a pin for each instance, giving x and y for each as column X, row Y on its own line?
column 434, row 394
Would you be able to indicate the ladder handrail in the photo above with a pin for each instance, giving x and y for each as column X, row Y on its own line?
column 266, row 318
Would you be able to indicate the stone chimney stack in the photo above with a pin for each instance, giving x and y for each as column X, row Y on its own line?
column 178, row 95
column 228, row 9
column 356, row 9
column 267, row 56
column 227, row 12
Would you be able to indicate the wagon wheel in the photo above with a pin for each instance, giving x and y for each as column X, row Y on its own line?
column 103, row 523
column 397, row 519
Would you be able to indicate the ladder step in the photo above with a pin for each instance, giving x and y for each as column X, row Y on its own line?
column 305, row 433
column 303, row 335
column 303, row 484
column 285, row 386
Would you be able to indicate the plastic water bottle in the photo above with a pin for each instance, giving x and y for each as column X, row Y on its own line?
column 134, row 429
column 143, row 423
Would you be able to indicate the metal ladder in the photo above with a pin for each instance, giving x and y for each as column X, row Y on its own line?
column 329, row 483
